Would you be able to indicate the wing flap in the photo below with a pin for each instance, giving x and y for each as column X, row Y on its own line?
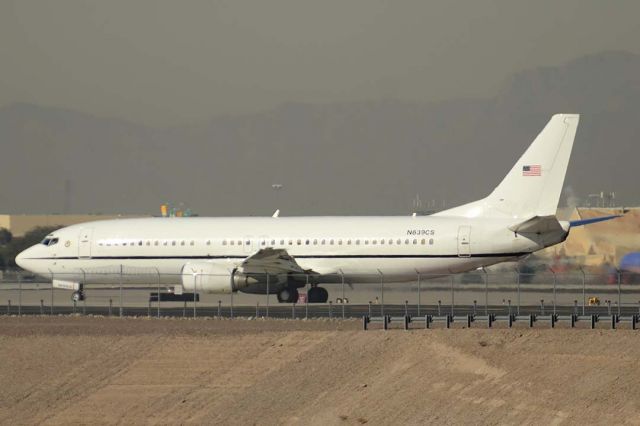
column 271, row 261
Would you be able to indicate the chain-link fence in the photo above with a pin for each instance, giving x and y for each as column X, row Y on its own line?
column 477, row 293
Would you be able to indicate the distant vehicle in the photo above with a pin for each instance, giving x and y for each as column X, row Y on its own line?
column 278, row 255
column 630, row 268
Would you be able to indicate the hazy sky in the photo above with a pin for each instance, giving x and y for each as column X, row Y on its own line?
column 169, row 62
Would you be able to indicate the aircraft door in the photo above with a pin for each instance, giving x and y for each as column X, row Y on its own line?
column 84, row 242
column 464, row 241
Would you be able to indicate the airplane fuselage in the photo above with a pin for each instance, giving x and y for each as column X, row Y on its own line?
column 358, row 248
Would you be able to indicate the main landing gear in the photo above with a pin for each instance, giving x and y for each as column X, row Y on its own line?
column 288, row 295
column 317, row 295
column 314, row 295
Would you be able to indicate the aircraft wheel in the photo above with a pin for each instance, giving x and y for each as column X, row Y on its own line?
column 288, row 295
column 318, row 295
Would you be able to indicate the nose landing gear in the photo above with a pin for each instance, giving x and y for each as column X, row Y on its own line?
column 78, row 295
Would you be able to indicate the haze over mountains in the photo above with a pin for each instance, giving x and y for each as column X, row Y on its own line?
column 348, row 158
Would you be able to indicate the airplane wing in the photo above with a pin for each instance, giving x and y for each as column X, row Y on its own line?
column 272, row 261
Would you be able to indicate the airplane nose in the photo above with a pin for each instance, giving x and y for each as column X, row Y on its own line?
column 21, row 259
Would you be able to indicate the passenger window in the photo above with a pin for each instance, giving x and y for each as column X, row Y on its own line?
column 315, row 242
column 366, row 242
column 357, row 242
column 323, row 241
column 299, row 242
column 232, row 242
column 339, row 242
column 239, row 242
column 273, row 242
column 281, row 242
column 399, row 241
column 406, row 241
column 224, row 242
column 390, row 241
column 422, row 241
column 182, row 243
column 331, row 242
column 415, row 241
column 193, row 243
column 173, row 243
column 382, row 241
column 430, row 241
column 348, row 242
column 148, row 243
column 306, row 242
column 374, row 242
column 290, row 242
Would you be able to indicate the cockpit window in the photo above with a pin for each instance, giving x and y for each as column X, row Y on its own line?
column 49, row 241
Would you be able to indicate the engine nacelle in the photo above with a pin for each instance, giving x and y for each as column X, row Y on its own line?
column 210, row 278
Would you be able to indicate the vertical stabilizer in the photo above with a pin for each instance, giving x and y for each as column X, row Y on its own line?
column 534, row 184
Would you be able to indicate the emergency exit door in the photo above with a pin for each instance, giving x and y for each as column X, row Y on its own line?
column 464, row 241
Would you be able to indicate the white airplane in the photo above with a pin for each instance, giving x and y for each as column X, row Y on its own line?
column 278, row 255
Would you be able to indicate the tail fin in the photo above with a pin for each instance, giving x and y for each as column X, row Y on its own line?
column 533, row 186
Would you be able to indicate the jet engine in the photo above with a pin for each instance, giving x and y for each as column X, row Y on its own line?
column 211, row 278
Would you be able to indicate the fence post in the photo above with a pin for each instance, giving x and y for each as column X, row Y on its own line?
column 121, row 290
column 619, row 290
column 19, row 294
column 452, row 296
column 439, row 307
column 51, row 310
column 584, row 291
column 195, row 294
column 41, row 307
column 406, row 308
column 257, row 309
column 342, row 277
column 9, row 307
column 419, row 290
column 219, row 309
column 541, row 306
column 486, row 291
column 158, row 272
column 518, row 287
column 231, row 308
column 330, row 309
column 84, row 296
column 267, row 308
column 554, row 289
column 306, row 300
column 110, row 306
column 381, row 293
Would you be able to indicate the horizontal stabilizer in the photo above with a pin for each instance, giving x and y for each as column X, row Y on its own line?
column 582, row 222
column 538, row 225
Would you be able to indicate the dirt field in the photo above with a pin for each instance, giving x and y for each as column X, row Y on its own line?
column 142, row 371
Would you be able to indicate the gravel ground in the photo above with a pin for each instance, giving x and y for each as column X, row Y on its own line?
column 79, row 370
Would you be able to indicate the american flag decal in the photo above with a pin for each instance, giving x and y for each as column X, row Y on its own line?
column 532, row 170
